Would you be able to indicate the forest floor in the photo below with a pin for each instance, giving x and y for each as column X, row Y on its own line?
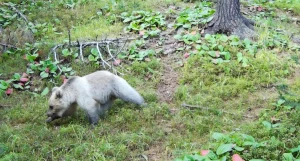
column 203, row 92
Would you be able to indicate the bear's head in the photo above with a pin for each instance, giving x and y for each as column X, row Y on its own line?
column 57, row 104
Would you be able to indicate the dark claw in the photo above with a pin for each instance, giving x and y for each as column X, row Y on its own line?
column 52, row 118
column 49, row 119
column 93, row 119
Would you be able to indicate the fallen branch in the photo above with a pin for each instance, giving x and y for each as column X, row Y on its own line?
column 8, row 46
column 100, row 55
column 203, row 108
column 103, row 47
column 3, row 106
column 210, row 109
column 10, row 5
column 80, row 50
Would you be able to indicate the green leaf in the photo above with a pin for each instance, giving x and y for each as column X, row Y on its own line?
column 45, row 91
column 65, row 69
column 75, row 55
column 218, row 136
column 234, row 43
column 180, row 49
column 245, row 62
column 224, row 148
column 44, row 74
column 220, row 60
column 295, row 149
column 267, row 124
column 239, row 56
column 187, row 41
column 280, row 102
column 209, row 19
column 181, row 20
column 224, row 38
column 247, row 42
column 127, row 20
column 3, row 85
column 239, row 148
column 94, row 51
column 288, row 157
column 187, row 26
column 17, row 86
column 198, row 157
column 65, row 52
column 204, row 47
column 248, row 143
column 248, row 137
column 91, row 58
column 224, row 158
column 211, row 155
column 220, row 47
column 212, row 53
column 208, row 37
column 227, row 56
column 17, row 76
column 256, row 160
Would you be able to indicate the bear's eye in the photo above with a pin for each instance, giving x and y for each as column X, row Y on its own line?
column 51, row 107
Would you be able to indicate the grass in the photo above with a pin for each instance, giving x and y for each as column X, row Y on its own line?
column 293, row 5
column 239, row 98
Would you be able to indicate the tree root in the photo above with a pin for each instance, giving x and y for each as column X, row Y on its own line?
column 244, row 31
column 241, row 27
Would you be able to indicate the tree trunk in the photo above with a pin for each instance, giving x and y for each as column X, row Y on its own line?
column 228, row 19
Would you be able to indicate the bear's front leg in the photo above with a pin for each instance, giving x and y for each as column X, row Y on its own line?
column 93, row 117
column 102, row 109
column 90, row 106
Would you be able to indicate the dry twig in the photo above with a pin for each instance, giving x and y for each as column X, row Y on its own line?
column 210, row 109
column 8, row 46
column 105, row 46
column 3, row 106
column 16, row 10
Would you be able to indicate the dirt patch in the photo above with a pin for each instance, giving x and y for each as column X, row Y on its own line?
column 158, row 151
column 294, row 76
column 167, row 45
column 154, row 153
column 169, row 80
column 262, row 96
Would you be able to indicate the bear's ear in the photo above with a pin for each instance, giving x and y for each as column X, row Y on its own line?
column 54, row 89
column 58, row 94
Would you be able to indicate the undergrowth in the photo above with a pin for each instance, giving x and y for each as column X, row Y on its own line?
column 234, row 98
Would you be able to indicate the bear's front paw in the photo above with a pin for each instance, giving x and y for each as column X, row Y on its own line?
column 49, row 119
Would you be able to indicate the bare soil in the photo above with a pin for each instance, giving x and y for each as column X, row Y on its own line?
column 169, row 80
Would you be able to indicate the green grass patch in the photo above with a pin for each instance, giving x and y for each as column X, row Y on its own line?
column 243, row 94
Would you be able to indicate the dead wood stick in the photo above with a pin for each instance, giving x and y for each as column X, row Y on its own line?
column 103, row 44
column 17, row 11
column 80, row 49
column 121, row 48
column 69, row 33
column 3, row 106
column 210, row 109
column 8, row 46
column 108, row 50
column 204, row 108
column 100, row 55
